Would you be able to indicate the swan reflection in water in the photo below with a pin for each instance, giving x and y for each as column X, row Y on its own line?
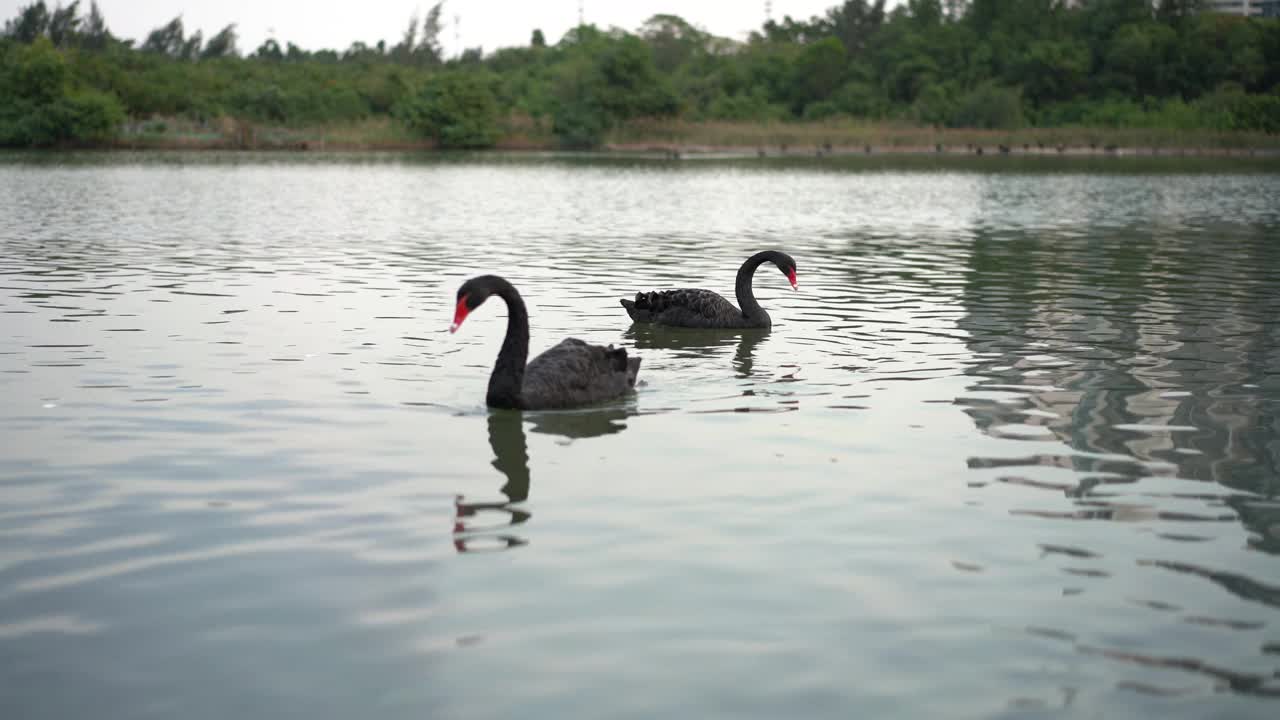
column 474, row 532
column 691, row 343
column 511, row 458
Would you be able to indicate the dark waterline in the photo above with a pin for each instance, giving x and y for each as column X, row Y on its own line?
column 1191, row 163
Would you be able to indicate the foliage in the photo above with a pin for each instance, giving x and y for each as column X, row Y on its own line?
column 456, row 109
column 221, row 45
column 994, row 64
column 44, row 106
column 602, row 80
column 988, row 106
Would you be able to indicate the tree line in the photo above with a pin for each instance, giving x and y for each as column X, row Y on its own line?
column 64, row 77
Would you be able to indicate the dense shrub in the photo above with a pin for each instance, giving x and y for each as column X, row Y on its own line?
column 42, row 105
column 456, row 109
column 988, row 106
column 604, row 81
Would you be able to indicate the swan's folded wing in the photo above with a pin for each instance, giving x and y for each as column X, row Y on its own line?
column 687, row 304
column 574, row 373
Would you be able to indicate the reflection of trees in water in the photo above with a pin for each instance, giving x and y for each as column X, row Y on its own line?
column 511, row 458
column 1137, row 328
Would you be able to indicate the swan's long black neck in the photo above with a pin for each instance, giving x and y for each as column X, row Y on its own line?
column 507, row 379
column 746, row 296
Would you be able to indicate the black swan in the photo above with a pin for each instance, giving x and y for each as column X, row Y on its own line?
column 706, row 309
column 570, row 374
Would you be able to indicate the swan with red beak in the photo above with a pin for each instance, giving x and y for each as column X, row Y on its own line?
column 697, row 308
column 573, row 373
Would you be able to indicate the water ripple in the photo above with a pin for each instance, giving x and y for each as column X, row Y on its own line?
column 239, row 442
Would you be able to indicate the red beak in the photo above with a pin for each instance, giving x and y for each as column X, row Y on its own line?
column 460, row 314
column 791, row 275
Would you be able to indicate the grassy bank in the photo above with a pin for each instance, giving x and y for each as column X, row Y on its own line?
column 684, row 137
column 376, row 133
column 850, row 136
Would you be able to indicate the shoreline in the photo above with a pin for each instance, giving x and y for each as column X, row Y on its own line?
column 968, row 150
column 675, row 139
column 678, row 139
column 677, row 150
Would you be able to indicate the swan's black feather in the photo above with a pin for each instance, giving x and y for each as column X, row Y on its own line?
column 686, row 308
column 570, row 374
column 577, row 373
column 698, row 308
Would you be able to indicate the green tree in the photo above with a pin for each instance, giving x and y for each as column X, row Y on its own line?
column 96, row 36
column 933, row 105
column 32, row 22
column 818, row 71
column 579, row 118
column 429, row 49
column 673, row 40
column 269, row 50
column 925, row 13
column 42, row 105
column 409, row 43
column 627, row 81
column 1053, row 70
column 64, row 25
column 604, row 80
column 855, row 23
column 1143, row 52
column 221, row 45
column 168, row 39
column 456, row 109
column 1269, row 43
column 988, row 106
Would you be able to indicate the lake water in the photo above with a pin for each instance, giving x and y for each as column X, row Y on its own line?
column 1012, row 449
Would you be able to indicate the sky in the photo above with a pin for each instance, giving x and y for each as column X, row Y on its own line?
column 487, row 23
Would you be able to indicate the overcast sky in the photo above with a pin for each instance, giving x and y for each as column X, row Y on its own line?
column 314, row 24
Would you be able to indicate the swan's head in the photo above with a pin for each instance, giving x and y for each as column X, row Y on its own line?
column 787, row 265
column 472, row 295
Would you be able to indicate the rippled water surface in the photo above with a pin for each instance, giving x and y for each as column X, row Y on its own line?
column 1011, row 450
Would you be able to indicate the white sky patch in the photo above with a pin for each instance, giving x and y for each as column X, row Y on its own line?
column 486, row 23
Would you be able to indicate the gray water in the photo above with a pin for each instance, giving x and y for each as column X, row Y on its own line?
column 1011, row 449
